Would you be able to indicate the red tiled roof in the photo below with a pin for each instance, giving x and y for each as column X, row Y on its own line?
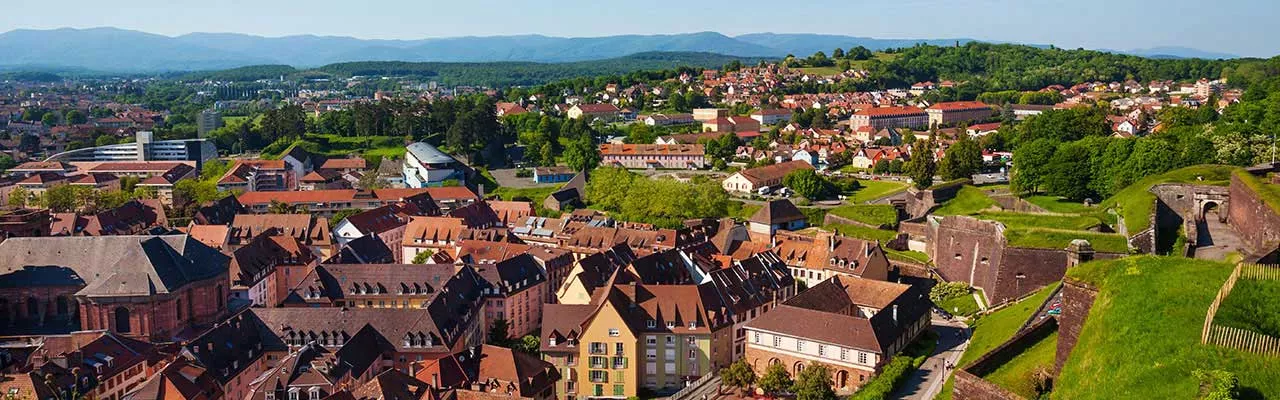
column 890, row 111
column 651, row 149
column 959, row 105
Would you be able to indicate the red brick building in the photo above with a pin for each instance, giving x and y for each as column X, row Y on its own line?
column 146, row 287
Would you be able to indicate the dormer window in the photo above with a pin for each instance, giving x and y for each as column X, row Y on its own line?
column 671, row 325
column 551, row 341
column 313, row 393
column 271, row 395
column 693, row 325
column 293, row 394
column 651, row 324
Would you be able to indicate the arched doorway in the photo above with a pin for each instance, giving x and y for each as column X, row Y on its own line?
column 842, row 379
column 122, row 320
column 62, row 306
column 1210, row 210
column 33, row 308
column 795, row 369
column 774, row 361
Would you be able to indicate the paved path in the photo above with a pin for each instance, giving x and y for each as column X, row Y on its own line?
column 1216, row 239
column 926, row 382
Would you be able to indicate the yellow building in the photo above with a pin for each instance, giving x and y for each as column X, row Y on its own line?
column 655, row 337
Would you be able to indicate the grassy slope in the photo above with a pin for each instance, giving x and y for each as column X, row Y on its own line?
column 1028, row 220
column 1042, row 238
column 960, row 305
column 879, row 214
column 1058, row 205
column 1016, row 375
column 1142, row 337
column 1136, row 202
column 993, row 329
column 862, row 232
column 969, row 200
column 1253, row 305
column 536, row 195
column 1269, row 193
column 872, row 190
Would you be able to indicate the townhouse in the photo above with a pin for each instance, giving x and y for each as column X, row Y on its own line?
column 890, row 117
column 752, row 180
column 683, row 156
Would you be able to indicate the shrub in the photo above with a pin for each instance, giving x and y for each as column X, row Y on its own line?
column 1217, row 384
column 524, row 173
column 949, row 290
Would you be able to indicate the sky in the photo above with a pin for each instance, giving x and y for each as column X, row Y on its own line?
column 1241, row 27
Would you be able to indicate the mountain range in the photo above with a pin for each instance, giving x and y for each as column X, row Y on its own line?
column 120, row 50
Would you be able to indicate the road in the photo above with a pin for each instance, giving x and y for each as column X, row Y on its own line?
column 926, row 382
column 1216, row 239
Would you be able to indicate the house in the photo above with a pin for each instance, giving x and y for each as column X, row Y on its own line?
column 889, row 117
column 853, row 326
column 263, row 270
column 518, row 289
column 774, row 216
column 93, row 364
column 979, row 130
column 685, row 156
column 178, row 380
column 953, row 112
column 667, row 119
column 259, row 175
column 425, row 165
column 1022, row 111
column 387, row 222
column 731, row 124
column 571, row 194
column 237, row 350
column 814, row 259
column 492, row 371
column 312, row 231
column 553, row 174
column 344, row 165
column 770, row 117
column 602, row 112
column 753, row 179
column 508, row 108
column 510, row 213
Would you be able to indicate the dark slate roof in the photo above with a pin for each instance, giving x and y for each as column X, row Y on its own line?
column 117, row 265
column 777, row 212
column 367, row 249
column 233, row 346
column 219, row 212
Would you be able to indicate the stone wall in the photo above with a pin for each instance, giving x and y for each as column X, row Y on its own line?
column 1256, row 223
column 968, row 250
column 1077, row 300
column 970, row 386
column 1037, row 267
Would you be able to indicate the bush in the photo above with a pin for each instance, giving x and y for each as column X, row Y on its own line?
column 949, row 290
column 1217, row 384
column 524, row 173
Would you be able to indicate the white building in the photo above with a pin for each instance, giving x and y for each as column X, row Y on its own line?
column 424, row 166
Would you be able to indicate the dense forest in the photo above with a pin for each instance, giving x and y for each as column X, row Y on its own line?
column 493, row 74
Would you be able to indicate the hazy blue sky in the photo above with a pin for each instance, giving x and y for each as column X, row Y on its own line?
column 1244, row 27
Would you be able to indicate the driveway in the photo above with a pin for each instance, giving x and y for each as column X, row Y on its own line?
column 927, row 381
column 1215, row 240
column 507, row 178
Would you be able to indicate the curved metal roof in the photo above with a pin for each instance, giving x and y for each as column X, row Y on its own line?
column 429, row 154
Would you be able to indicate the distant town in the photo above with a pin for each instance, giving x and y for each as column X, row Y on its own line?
column 973, row 221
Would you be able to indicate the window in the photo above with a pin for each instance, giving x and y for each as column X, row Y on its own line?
column 651, row 340
column 598, row 348
column 617, row 348
column 650, row 324
column 822, row 350
column 692, row 341
column 693, row 325
column 271, row 395
column 293, row 394
column 862, row 358
column 619, row 390
column 599, row 377
column 671, row 340
column 671, row 325
column 598, row 362
column 755, row 337
column 777, row 341
column 314, row 393
column 844, row 354
column 799, row 345
column 551, row 341
column 613, row 332
column 693, row 354
column 619, row 362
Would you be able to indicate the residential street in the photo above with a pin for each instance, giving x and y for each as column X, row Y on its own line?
column 926, row 382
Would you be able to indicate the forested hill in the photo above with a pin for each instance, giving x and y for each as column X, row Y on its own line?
column 497, row 74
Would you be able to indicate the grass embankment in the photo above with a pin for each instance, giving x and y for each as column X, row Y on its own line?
column 907, row 255
column 995, row 328
column 1017, row 375
column 1254, row 305
column 968, row 201
column 862, row 232
column 1044, row 238
column 1029, row 220
column 1057, row 204
column 372, row 148
column 536, row 195
column 1136, row 202
column 870, row 190
column 870, row 214
column 1142, row 337
column 742, row 211
column 1269, row 193
column 959, row 305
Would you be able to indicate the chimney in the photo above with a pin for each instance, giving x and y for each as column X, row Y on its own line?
column 831, row 242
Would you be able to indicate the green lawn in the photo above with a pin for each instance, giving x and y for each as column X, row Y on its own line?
column 1017, row 374
column 1043, row 238
column 871, row 190
column 872, row 214
column 1059, row 205
column 1254, row 304
column 1030, row 220
column 969, row 200
column 862, row 232
column 995, row 328
column 1136, row 203
column 740, row 210
column 1142, row 337
column 536, row 195
column 1269, row 193
column 823, row 71
column 907, row 255
column 960, row 305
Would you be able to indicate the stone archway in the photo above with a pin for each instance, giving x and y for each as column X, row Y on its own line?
column 1211, row 206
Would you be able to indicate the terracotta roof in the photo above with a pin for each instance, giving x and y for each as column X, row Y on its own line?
column 597, row 108
column 214, row 236
column 512, row 212
column 960, row 105
column 432, row 229
column 760, row 175
column 344, row 163
column 311, row 230
column 895, row 111
column 651, row 149
column 136, row 166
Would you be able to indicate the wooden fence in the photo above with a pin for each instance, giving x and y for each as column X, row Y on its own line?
column 1237, row 338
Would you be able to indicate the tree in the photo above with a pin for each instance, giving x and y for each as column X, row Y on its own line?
column 739, row 375
column 7, row 162
column 65, row 198
column 582, row 155
column 341, row 215
column 962, row 160
column 75, row 117
column 837, row 53
column 836, row 161
column 806, row 182
column 280, row 207
column 1069, row 172
column 19, row 197
column 775, row 379
column 422, row 257
column 1030, row 165
column 528, row 344
column 860, row 53
column 921, row 167
column 814, row 383
column 881, row 167
column 49, row 119
column 500, row 333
